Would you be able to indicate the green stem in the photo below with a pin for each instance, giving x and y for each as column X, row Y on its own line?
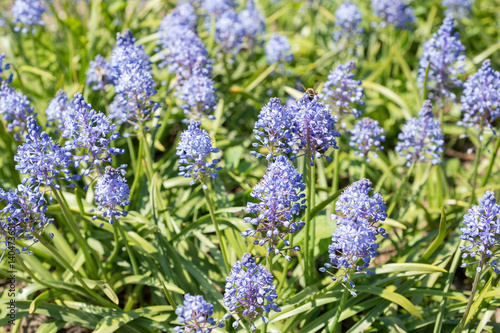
column 492, row 162
column 340, row 308
column 282, row 282
column 336, row 176
column 363, row 170
column 307, row 254
column 471, row 298
column 222, row 244
column 89, row 262
column 474, row 175
column 133, row 261
column 269, row 263
column 114, row 253
column 30, row 273
column 400, row 190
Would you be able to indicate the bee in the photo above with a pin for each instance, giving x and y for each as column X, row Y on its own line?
column 311, row 92
column 109, row 169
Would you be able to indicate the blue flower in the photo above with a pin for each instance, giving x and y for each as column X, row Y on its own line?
column 366, row 136
column 278, row 49
column 99, row 73
column 229, row 31
column 312, row 128
column 353, row 241
column 42, row 159
column 59, row 110
column 342, row 91
column 199, row 94
column 443, row 54
column 458, row 8
column 248, row 287
column 482, row 230
column 253, row 23
column 347, row 20
column 193, row 149
column 217, row 7
column 27, row 14
column 111, row 190
column 88, row 136
column 279, row 193
column 4, row 67
column 121, row 109
column 182, row 50
column 272, row 128
column 394, row 12
column 15, row 108
column 481, row 98
column 355, row 202
column 421, row 139
column 195, row 315
column 22, row 217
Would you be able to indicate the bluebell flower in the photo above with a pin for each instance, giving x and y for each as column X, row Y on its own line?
column 132, row 78
column 193, row 150
column 272, row 129
column 312, row 128
column 198, row 92
column 99, row 73
column 366, row 136
column 278, row 49
column 353, row 246
column 195, row 315
column 250, row 291
column 229, row 31
column 15, row 108
column 394, row 12
column 217, row 7
column 42, row 159
column 22, row 217
column 347, row 20
column 280, row 198
column 421, row 139
column 253, row 24
column 458, row 8
column 181, row 48
column 355, row 202
column 482, row 231
column 111, row 190
column 342, row 91
column 4, row 67
column 27, row 14
column 88, row 135
column 121, row 109
column 59, row 110
column 444, row 54
column 481, row 98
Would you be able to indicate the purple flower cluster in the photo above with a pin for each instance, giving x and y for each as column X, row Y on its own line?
column 272, row 129
column 482, row 230
column 22, row 217
column 59, row 110
column 458, row 8
column 421, row 139
column 89, row 133
column 279, row 193
column 195, row 315
column 442, row 54
column 481, row 98
column 248, row 287
column 186, row 56
column 253, row 24
column 355, row 236
column 347, row 20
column 15, row 108
column 111, row 190
column 193, row 149
column 99, row 73
column 278, row 50
column 42, row 159
column 312, row 128
column 394, row 12
column 27, row 14
column 131, row 74
column 342, row 91
column 4, row 67
column 366, row 136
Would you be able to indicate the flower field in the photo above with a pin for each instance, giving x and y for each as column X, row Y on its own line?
column 249, row 166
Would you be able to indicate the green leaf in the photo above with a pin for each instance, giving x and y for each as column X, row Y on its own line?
column 37, row 71
column 391, row 95
column 477, row 303
column 435, row 244
column 393, row 297
column 46, row 295
column 51, row 326
column 409, row 267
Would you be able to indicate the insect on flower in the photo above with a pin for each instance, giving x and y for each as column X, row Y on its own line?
column 311, row 92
